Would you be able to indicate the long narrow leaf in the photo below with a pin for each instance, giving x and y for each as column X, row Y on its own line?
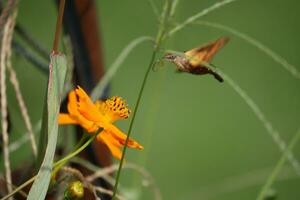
column 102, row 84
column 57, row 75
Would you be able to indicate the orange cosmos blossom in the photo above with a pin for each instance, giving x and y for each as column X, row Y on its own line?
column 101, row 114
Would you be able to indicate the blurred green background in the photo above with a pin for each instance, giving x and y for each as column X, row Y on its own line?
column 201, row 139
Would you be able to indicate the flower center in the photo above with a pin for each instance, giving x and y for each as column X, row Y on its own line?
column 113, row 109
column 118, row 107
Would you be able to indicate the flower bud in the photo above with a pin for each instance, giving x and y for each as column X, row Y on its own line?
column 75, row 191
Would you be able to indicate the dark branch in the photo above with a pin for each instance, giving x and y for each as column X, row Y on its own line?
column 30, row 57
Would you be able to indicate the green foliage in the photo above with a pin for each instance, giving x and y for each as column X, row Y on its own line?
column 58, row 67
column 203, row 134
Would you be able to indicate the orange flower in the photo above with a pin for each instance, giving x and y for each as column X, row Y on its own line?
column 101, row 114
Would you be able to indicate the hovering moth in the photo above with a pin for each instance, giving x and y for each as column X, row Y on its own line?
column 193, row 61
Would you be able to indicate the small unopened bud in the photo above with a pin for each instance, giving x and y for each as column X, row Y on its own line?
column 75, row 191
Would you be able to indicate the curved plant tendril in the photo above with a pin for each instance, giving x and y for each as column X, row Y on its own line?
column 266, row 123
column 276, row 57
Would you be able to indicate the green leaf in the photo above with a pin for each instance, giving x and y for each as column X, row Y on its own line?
column 57, row 74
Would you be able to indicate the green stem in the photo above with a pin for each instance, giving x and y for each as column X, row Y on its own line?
column 102, row 84
column 79, row 145
column 200, row 14
column 158, row 42
column 55, row 165
column 71, row 155
column 132, row 121
column 278, row 167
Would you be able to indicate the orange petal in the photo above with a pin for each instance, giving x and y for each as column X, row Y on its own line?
column 121, row 137
column 76, row 116
column 64, row 118
column 88, row 109
column 113, row 147
column 72, row 103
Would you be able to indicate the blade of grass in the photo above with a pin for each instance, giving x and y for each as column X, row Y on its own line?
column 6, row 13
column 21, row 102
column 276, row 57
column 57, row 75
column 173, row 8
column 5, row 55
column 24, row 139
column 4, row 123
column 199, row 14
column 266, row 123
column 237, row 183
column 278, row 166
column 102, row 84
column 154, row 8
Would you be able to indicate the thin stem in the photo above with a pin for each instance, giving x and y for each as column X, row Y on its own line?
column 154, row 8
column 173, row 8
column 71, row 155
column 275, row 56
column 24, row 139
column 5, row 56
column 31, row 40
column 19, row 188
column 108, row 192
column 100, row 87
column 233, row 184
column 132, row 121
column 4, row 114
column 14, row 81
column 30, row 56
column 103, row 172
column 266, row 123
column 77, row 147
column 110, row 180
column 200, row 14
column 6, row 12
column 55, row 165
column 278, row 167
column 58, row 25
column 159, row 40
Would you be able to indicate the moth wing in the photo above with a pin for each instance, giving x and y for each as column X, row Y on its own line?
column 196, row 56
column 205, row 53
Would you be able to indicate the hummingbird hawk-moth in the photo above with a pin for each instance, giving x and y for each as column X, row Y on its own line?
column 193, row 61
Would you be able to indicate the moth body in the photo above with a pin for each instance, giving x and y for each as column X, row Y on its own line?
column 193, row 61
